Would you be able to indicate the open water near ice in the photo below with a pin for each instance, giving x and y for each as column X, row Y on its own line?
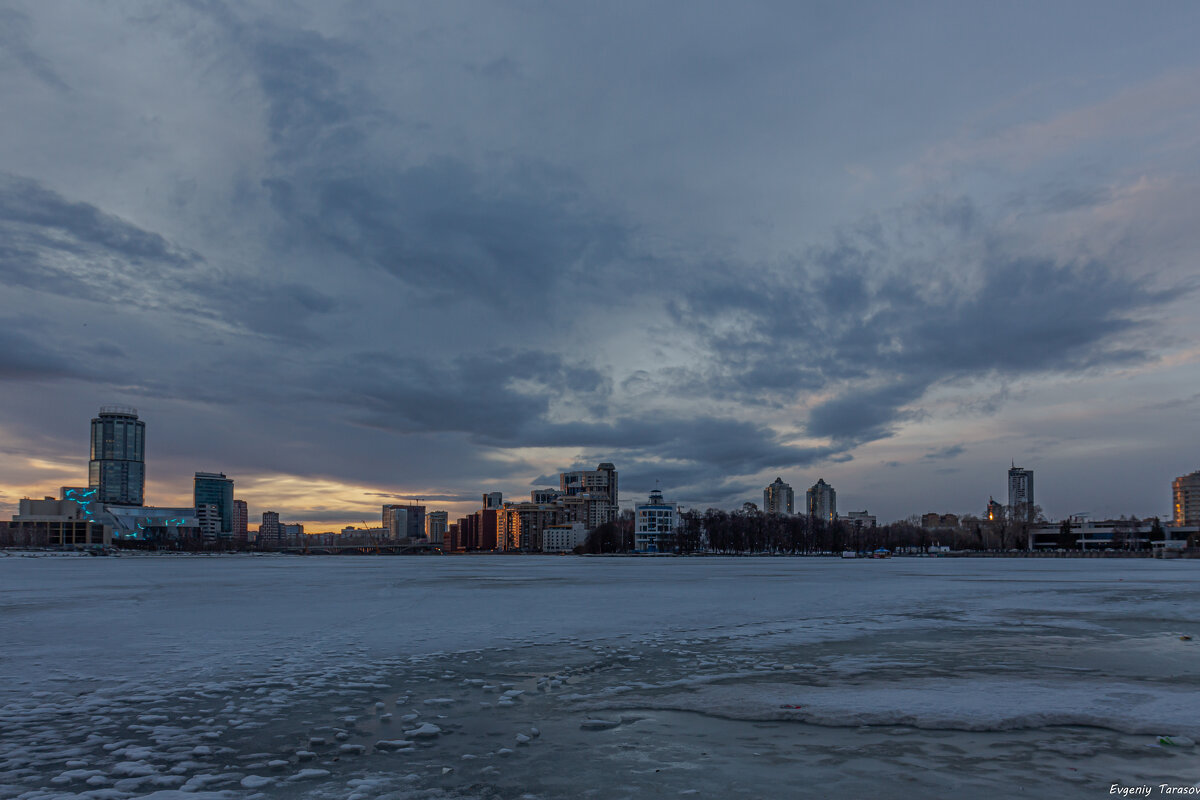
column 342, row 677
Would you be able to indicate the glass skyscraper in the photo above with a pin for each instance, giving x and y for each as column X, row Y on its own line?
column 117, row 469
column 214, row 488
column 1020, row 491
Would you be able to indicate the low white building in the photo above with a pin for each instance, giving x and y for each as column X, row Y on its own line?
column 563, row 538
column 209, row 517
column 655, row 522
column 1084, row 533
column 861, row 519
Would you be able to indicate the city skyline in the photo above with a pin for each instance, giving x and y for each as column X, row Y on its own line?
column 118, row 432
column 358, row 257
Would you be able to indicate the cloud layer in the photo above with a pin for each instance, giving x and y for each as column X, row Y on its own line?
column 429, row 252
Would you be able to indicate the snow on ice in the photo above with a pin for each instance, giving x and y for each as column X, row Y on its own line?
column 238, row 677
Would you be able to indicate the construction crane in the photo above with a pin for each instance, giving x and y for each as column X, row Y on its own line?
column 374, row 545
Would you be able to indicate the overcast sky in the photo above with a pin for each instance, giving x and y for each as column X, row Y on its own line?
column 345, row 252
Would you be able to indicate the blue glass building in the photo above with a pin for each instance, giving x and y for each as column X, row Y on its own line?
column 117, row 469
column 214, row 488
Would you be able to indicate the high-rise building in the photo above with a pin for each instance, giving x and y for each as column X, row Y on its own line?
column 414, row 526
column 493, row 500
column 270, row 533
column 215, row 489
column 1020, row 490
column 435, row 526
column 1185, row 494
column 599, row 481
column 591, row 510
column 452, row 539
column 821, row 501
column 488, row 528
column 519, row 526
column 778, row 498
column 241, row 520
column 396, row 523
column 117, row 469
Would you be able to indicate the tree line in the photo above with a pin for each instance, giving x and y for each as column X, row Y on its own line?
column 750, row 530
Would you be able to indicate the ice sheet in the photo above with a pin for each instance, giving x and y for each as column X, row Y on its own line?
column 476, row 676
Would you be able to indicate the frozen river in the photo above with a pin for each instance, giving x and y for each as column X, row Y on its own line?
column 544, row 677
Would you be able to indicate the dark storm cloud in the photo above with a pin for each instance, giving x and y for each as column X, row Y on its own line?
column 863, row 415
column 57, row 246
column 729, row 446
column 443, row 227
column 503, row 399
column 26, row 357
column 314, row 103
column 449, row 232
column 493, row 395
column 743, row 378
column 47, row 238
column 848, row 313
column 512, row 231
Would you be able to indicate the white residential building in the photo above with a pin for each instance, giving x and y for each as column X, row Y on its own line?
column 209, row 516
column 655, row 522
column 861, row 519
column 563, row 538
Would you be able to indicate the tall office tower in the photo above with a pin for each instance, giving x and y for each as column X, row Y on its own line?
column 493, row 500
column 395, row 523
column 241, row 521
column 1185, row 493
column 1020, row 489
column 436, row 523
column 821, row 501
column 778, row 498
column 270, row 532
column 414, row 527
column 599, row 481
column 214, row 488
column 117, row 469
